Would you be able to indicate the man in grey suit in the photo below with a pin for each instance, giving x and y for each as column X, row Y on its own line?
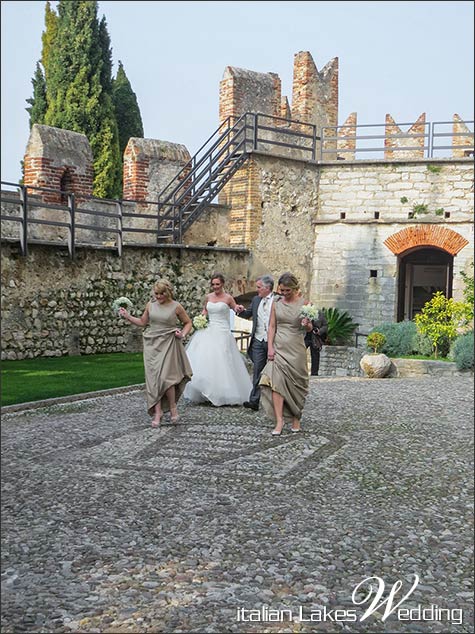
column 259, row 310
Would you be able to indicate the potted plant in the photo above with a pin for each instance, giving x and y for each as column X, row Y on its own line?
column 375, row 365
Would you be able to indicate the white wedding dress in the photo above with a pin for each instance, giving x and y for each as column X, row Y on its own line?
column 220, row 375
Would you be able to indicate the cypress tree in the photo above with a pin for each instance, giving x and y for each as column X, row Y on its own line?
column 127, row 112
column 38, row 104
column 38, row 101
column 78, row 79
column 73, row 89
column 47, row 37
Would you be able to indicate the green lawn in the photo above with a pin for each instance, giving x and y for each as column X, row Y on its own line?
column 40, row 378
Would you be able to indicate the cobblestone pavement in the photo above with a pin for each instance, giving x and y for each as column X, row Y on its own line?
column 213, row 525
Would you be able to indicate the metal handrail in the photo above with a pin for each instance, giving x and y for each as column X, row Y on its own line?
column 203, row 177
column 330, row 135
column 26, row 202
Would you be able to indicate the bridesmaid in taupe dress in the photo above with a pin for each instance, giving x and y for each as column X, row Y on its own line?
column 167, row 369
column 284, row 380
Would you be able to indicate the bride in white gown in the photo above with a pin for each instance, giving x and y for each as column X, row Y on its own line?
column 220, row 375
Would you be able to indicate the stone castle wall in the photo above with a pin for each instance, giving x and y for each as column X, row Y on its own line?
column 330, row 224
column 52, row 306
column 338, row 226
column 360, row 206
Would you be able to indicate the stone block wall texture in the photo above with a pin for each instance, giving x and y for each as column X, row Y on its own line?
column 52, row 306
column 362, row 208
column 211, row 228
column 340, row 361
column 331, row 224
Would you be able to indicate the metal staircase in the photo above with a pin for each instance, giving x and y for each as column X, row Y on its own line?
column 196, row 185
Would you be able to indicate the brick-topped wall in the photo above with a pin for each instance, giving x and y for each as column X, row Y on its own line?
column 314, row 93
column 56, row 158
column 243, row 91
column 149, row 165
column 416, row 139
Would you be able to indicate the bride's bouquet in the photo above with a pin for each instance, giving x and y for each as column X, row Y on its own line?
column 200, row 322
column 121, row 302
column 308, row 311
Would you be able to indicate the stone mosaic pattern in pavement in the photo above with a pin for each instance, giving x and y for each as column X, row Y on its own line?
column 213, row 525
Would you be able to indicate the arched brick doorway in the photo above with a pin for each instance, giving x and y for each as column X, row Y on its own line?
column 422, row 272
column 425, row 264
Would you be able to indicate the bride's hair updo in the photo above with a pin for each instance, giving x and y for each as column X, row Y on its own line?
column 218, row 276
column 164, row 286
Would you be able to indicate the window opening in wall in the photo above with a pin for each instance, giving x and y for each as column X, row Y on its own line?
column 376, row 215
column 373, row 273
column 66, row 186
column 342, row 215
column 447, row 214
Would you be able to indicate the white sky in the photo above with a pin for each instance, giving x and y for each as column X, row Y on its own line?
column 401, row 58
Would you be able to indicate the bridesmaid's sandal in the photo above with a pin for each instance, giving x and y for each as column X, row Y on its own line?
column 157, row 420
column 295, row 429
column 278, row 429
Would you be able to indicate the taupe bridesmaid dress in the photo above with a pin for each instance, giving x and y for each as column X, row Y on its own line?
column 287, row 374
column 165, row 359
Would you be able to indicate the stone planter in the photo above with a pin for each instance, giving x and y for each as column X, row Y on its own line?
column 375, row 366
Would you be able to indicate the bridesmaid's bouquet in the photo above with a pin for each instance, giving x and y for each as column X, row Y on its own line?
column 200, row 322
column 308, row 311
column 121, row 302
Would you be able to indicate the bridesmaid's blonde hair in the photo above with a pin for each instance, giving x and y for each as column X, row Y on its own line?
column 163, row 286
column 289, row 280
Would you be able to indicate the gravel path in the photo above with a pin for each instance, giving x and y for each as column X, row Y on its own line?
column 213, row 525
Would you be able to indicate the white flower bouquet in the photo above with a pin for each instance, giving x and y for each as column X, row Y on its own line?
column 121, row 302
column 200, row 322
column 308, row 311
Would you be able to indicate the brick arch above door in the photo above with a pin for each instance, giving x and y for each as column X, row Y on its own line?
column 426, row 236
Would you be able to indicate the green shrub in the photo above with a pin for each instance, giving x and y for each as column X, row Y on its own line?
column 400, row 338
column 376, row 341
column 340, row 326
column 468, row 290
column 462, row 351
column 423, row 345
column 440, row 318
